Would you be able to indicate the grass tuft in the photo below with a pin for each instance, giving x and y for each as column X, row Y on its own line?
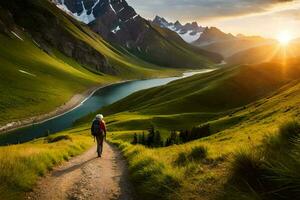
column 197, row 153
column 271, row 172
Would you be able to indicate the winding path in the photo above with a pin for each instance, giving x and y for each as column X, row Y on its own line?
column 87, row 177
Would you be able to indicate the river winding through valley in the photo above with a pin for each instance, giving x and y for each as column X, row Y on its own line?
column 102, row 97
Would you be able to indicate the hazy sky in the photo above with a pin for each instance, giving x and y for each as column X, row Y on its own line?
column 252, row 17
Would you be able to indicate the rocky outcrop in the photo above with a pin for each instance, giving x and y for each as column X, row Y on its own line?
column 6, row 21
column 212, row 35
column 49, row 33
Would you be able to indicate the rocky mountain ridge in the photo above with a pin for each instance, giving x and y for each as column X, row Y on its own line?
column 211, row 35
column 48, row 33
column 189, row 32
column 119, row 24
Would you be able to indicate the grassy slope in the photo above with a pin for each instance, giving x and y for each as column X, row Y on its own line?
column 166, row 43
column 23, row 95
column 27, row 162
column 194, row 100
column 155, row 172
column 174, row 172
column 245, row 127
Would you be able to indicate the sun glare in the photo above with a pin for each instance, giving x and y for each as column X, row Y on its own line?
column 284, row 38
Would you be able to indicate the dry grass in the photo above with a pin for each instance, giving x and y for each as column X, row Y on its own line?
column 21, row 165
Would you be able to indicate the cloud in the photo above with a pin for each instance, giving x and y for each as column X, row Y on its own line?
column 204, row 9
column 293, row 13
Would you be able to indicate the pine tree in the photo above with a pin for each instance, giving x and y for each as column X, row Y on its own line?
column 150, row 137
column 157, row 139
column 135, row 139
column 143, row 140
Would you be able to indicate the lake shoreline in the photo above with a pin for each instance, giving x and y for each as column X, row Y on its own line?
column 76, row 101
column 70, row 105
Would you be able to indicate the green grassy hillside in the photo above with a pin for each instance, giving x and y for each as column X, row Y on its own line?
column 159, row 43
column 27, row 162
column 174, row 172
column 37, row 74
column 249, row 104
column 200, row 98
column 181, row 174
column 206, row 168
column 31, row 77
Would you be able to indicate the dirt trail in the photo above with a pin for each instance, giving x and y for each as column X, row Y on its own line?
column 87, row 177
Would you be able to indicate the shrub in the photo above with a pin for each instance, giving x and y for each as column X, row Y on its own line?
column 182, row 158
column 289, row 131
column 51, row 139
column 199, row 153
column 135, row 139
column 196, row 154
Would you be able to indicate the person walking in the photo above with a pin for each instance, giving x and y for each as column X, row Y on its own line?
column 98, row 130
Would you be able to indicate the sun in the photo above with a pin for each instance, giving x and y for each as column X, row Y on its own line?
column 284, row 38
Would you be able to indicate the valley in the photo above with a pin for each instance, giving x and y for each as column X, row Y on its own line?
column 101, row 97
column 192, row 112
column 239, row 128
column 77, row 60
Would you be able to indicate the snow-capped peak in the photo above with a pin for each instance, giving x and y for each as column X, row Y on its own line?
column 189, row 32
column 85, row 16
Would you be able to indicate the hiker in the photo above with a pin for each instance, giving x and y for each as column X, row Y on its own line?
column 98, row 130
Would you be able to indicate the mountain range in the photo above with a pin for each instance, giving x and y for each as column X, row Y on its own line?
column 189, row 32
column 119, row 24
column 212, row 35
column 211, row 38
column 42, row 45
column 227, row 44
column 153, row 40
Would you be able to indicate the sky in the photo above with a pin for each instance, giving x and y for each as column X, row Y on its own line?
column 267, row 18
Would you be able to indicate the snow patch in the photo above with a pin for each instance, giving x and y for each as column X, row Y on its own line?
column 27, row 73
column 135, row 16
column 128, row 45
column 64, row 8
column 121, row 9
column 83, row 16
column 17, row 36
column 189, row 37
column 116, row 29
column 112, row 8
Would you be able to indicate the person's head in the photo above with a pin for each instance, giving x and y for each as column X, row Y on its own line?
column 99, row 117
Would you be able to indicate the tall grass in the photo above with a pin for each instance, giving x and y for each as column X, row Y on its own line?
column 163, row 176
column 197, row 153
column 152, row 178
column 269, row 173
column 21, row 165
